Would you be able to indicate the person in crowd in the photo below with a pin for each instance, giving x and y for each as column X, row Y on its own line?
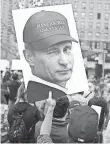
column 59, row 133
column 5, row 81
column 20, row 76
column 107, row 133
column 100, row 101
column 3, row 99
column 106, row 92
column 13, row 88
column 83, row 125
column 93, row 90
column 30, row 116
column 1, row 76
column 6, row 75
column 79, row 98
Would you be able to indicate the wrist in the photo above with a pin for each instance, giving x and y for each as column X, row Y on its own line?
column 50, row 109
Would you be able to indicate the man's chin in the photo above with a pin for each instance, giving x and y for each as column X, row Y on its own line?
column 62, row 81
column 64, row 78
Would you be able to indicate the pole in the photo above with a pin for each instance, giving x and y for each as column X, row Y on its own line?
column 103, row 63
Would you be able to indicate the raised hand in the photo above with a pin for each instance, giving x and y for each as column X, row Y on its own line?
column 51, row 102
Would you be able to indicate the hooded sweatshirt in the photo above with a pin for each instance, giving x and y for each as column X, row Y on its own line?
column 59, row 132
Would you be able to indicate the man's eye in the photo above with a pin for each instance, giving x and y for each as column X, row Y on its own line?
column 67, row 49
column 52, row 52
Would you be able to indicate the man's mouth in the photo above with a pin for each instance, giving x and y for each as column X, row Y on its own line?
column 64, row 71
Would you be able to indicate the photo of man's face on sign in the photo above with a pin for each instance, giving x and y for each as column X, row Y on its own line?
column 49, row 51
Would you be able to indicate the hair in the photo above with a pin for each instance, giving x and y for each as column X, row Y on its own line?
column 7, row 76
column 15, row 76
column 29, row 47
column 61, row 107
column 21, row 93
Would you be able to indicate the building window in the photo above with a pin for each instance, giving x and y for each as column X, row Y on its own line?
column 82, row 24
column 93, row 45
column 99, row 6
column 83, row 5
column 89, row 33
column 90, row 24
column 106, row 46
column 106, row 16
column 98, row 34
column 82, row 34
column 98, row 45
column 105, row 35
column 83, row 15
column 106, row 26
column 107, row 6
column 98, row 15
column 91, row 5
column 98, row 25
column 90, row 15
column 75, row 14
column 75, row 5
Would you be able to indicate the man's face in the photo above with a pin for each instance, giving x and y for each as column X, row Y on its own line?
column 54, row 64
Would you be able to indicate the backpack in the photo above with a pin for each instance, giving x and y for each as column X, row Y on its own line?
column 18, row 131
column 83, row 124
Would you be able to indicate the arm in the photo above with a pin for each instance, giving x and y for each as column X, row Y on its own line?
column 46, row 125
column 45, row 130
column 90, row 96
column 82, row 100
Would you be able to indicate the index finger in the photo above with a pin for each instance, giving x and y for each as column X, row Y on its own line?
column 50, row 95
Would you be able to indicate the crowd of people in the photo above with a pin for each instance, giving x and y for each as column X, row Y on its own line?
column 54, row 121
column 10, row 82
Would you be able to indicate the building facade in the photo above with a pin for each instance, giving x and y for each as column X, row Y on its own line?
column 9, row 48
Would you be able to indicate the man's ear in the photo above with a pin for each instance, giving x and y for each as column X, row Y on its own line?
column 29, row 57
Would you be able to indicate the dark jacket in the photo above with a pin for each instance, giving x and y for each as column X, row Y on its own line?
column 13, row 88
column 59, row 132
column 31, row 116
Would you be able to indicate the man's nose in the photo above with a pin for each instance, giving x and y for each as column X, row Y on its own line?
column 63, row 59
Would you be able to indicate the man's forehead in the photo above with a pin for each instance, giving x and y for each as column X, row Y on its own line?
column 55, row 46
column 64, row 43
